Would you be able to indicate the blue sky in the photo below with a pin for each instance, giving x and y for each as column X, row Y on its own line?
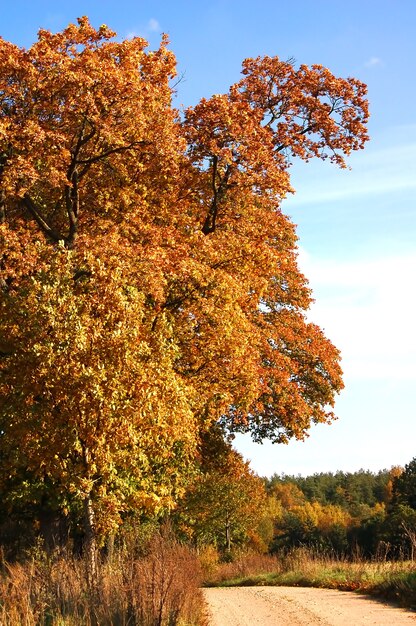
column 357, row 227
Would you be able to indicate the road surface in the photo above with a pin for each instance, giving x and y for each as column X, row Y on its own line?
column 297, row 606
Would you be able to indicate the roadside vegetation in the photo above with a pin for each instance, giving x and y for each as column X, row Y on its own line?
column 347, row 531
column 153, row 582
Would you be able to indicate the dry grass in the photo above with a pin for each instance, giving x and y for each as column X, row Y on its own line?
column 160, row 588
column 243, row 565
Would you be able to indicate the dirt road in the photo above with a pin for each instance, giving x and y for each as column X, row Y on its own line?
column 296, row 606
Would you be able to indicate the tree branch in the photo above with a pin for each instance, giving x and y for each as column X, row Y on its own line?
column 209, row 224
column 218, row 192
column 107, row 153
column 72, row 209
column 3, row 161
column 47, row 230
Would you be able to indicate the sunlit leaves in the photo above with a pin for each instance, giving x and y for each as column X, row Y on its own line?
column 150, row 279
column 88, row 393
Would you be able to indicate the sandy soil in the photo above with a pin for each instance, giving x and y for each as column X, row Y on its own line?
column 296, row 606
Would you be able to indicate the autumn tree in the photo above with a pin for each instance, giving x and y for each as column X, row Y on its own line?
column 90, row 145
column 224, row 504
column 150, row 286
column 240, row 145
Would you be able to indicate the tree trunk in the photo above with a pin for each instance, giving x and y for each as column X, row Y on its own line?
column 228, row 535
column 2, row 207
column 411, row 535
column 90, row 541
column 110, row 547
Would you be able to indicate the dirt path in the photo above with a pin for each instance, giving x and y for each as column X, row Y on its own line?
column 296, row 606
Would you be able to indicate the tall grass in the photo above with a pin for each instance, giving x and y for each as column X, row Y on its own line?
column 158, row 588
column 393, row 580
column 244, row 565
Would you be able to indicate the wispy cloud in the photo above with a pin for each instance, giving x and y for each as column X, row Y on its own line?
column 373, row 62
column 153, row 25
column 381, row 171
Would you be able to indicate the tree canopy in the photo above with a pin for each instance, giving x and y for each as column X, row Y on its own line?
column 150, row 286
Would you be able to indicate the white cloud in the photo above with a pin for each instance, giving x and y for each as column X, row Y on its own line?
column 153, row 25
column 367, row 309
column 373, row 61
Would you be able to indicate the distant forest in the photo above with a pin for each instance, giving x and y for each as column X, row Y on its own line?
column 360, row 513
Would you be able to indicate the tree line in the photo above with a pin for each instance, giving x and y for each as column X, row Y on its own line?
column 355, row 515
column 227, row 507
column 360, row 513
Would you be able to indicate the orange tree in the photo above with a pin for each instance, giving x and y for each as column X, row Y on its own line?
column 149, row 278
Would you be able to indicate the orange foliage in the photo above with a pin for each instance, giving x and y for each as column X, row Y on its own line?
column 149, row 276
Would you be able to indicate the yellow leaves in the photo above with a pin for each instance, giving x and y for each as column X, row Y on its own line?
column 180, row 302
column 100, row 382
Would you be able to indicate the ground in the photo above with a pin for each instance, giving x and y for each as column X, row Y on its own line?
column 296, row 606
